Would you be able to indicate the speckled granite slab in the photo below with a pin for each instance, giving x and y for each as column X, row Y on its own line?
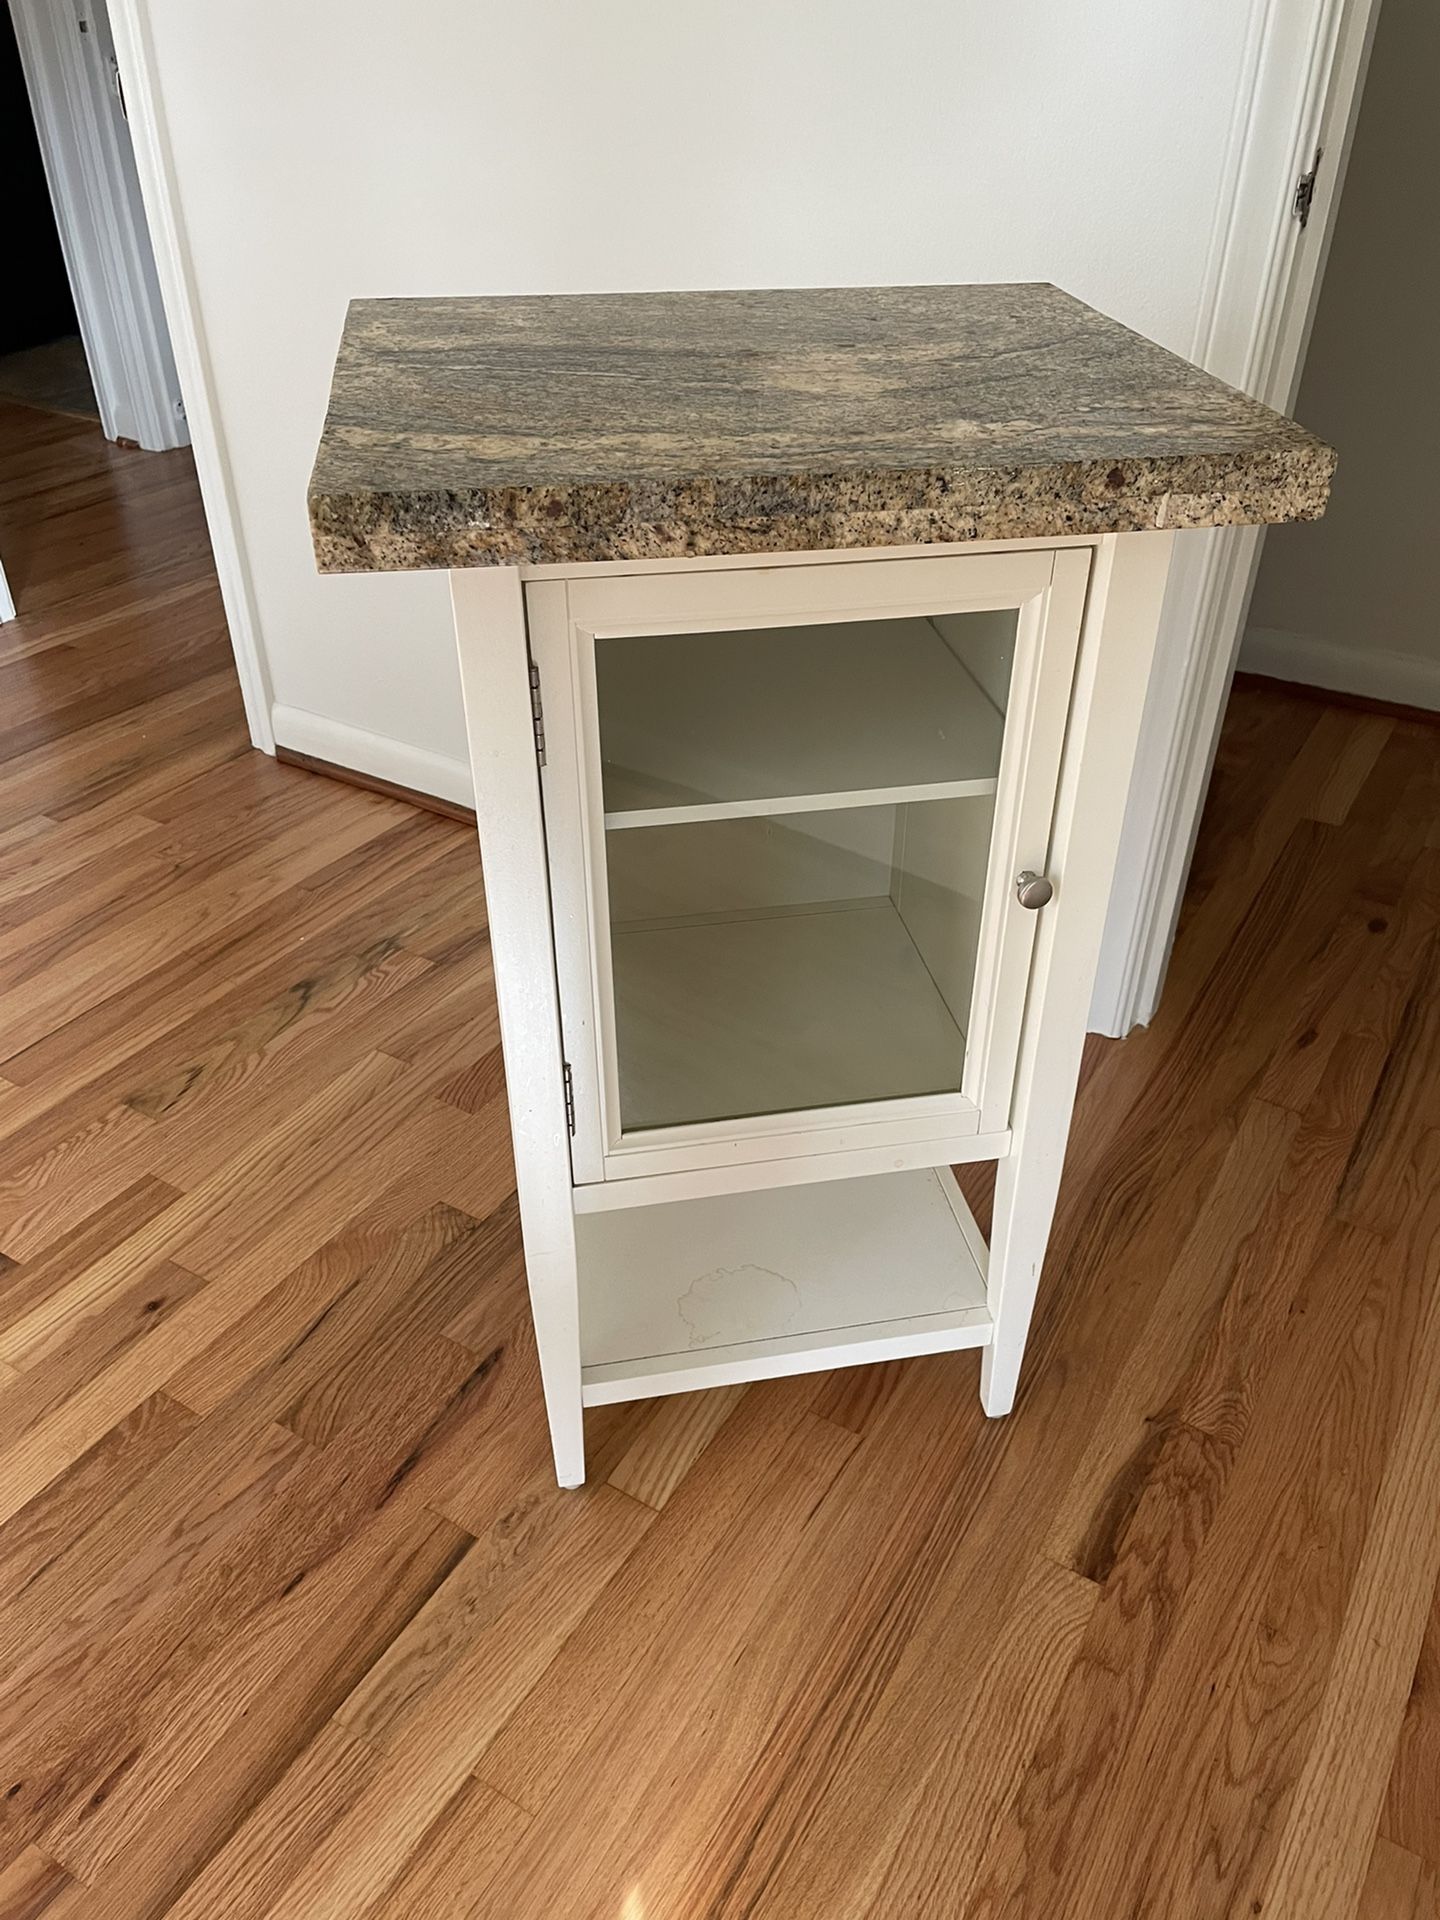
column 470, row 432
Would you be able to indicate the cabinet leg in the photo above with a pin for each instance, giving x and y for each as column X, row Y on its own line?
column 1026, row 1185
column 550, row 1272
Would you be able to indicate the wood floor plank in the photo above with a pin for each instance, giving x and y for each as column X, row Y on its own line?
column 1340, row 1793
column 980, row 1768
column 1371, row 945
column 29, row 1285
column 1379, row 1184
column 1229, row 1234
column 1392, row 1884
column 1399, row 1886
column 130, row 1039
column 222, row 1740
column 1228, row 1713
column 269, row 1845
column 32, row 1886
column 285, row 1315
column 1412, row 1804
column 78, row 1349
column 53, row 1524
column 211, row 1224
column 457, row 1858
column 699, row 1742
column 361, row 1858
column 100, row 1162
column 704, row 1527
column 673, row 1437
column 31, row 1007
column 170, row 1502
column 1361, row 744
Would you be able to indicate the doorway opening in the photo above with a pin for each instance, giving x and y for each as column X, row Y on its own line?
column 42, row 356
column 83, row 268
column 110, row 609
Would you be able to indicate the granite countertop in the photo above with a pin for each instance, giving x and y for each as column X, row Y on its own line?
column 475, row 432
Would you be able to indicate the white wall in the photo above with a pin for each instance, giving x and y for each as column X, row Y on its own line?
column 1350, row 602
column 343, row 147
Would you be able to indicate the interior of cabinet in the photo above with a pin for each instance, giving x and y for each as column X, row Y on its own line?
column 745, row 1286
column 797, row 836
column 806, row 960
column 705, row 725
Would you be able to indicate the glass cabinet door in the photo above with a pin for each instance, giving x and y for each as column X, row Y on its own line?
column 781, row 835
column 797, row 830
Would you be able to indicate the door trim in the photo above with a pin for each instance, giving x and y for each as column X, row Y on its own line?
column 130, row 28
column 1304, row 70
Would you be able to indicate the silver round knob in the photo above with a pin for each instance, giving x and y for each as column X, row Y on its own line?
column 1033, row 890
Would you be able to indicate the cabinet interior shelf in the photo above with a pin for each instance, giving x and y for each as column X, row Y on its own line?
column 745, row 1286
column 766, row 1013
column 713, row 726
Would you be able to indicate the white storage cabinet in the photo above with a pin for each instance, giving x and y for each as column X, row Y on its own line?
column 796, row 870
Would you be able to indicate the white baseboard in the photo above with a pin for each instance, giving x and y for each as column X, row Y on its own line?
column 374, row 753
column 1405, row 678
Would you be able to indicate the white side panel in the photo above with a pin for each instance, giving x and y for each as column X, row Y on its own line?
column 490, row 631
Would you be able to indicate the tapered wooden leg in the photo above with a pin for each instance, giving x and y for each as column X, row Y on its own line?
column 1126, row 591
column 494, row 674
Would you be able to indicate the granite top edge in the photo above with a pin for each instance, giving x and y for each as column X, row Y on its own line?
column 585, row 522
column 575, row 428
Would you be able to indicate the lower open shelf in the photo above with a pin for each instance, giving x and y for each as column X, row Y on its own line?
column 746, row 1286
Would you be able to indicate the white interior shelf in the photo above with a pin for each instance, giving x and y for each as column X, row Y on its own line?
column 745, row 1286
column 777, row 1012
column 711, row 726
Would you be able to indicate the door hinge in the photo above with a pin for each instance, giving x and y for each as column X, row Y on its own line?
column 1304, row 198
column 569, row 1099
column 537, row 713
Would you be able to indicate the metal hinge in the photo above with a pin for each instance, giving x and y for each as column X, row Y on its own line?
column 1305, row 192
column 569, row 1099
column 537, row 720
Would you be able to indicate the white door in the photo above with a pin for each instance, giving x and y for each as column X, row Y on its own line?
column 75, row 91
column 785, row 811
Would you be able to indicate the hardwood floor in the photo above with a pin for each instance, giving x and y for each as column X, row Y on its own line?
column 294, row 1624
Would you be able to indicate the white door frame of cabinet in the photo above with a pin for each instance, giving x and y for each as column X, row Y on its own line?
column 495, row 679
column 1122, row 618
column 1046, row 587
